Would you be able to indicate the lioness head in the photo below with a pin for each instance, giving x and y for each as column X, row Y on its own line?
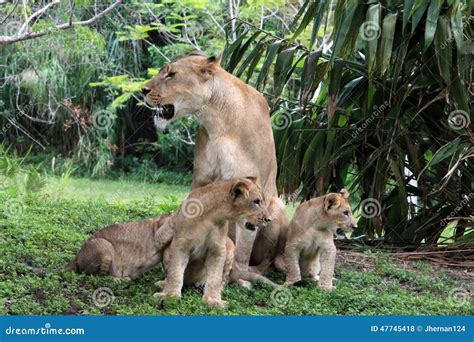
column 181, row 87
column 339, row 211
column 248, row 203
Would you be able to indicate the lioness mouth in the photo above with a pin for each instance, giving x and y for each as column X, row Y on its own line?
column 166, row 111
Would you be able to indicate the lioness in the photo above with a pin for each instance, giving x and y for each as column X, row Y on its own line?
column 199, row 246
column 309, row 247
column 235, row 139
column 123, row 250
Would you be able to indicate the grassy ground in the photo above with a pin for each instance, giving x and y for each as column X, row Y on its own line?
column 41, row 233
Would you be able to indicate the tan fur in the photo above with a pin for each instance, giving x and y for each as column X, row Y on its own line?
column 309, row 248
column 234, row 139
column 123, row 250
column 201, row 252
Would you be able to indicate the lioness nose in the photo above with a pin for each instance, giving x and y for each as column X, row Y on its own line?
column 267, row 219
column 146, row 90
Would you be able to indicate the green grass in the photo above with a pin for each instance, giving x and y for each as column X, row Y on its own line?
column 112, row 190
column 38, row 240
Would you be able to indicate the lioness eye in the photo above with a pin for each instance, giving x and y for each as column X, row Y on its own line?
column 170, row 74
column 257, row 202
column 346, row 212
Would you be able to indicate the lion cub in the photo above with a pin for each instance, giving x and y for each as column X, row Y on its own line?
column 123, row 250
column 200, row 241
column 309, row 247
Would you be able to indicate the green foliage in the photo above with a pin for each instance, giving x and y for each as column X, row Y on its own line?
column 17, row 178
column 373, row 110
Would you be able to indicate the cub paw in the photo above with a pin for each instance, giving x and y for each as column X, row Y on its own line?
column 161, row 296
column 301, row 283
column 244, row 283
column 120, row 279
column 218, row 303
column 160, row 284
column 293, row 282
column 326, row 287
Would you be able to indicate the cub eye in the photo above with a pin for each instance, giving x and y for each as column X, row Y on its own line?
column 346, row 212
column 170, row 75
column 257, row 202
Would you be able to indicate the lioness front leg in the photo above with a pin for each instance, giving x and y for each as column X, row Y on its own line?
column 291, row 257
column 175, row 273
column 215, row 265
column 328, row 260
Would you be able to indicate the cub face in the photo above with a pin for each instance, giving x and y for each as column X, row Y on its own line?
column 248, row 203
column 180, row 87
column 338, row 211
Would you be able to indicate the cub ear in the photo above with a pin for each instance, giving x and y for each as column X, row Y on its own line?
column 252, row 179
column 331, row 201
column 344, row 193
column 210, row 66
column 240, row 188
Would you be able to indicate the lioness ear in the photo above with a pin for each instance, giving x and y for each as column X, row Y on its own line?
column 344, row 193
column 209, row 67
column 331, row 201
column 240, row 188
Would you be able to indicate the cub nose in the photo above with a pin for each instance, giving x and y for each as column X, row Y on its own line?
column 146, row 90
column 354, row 225
column 267, row 219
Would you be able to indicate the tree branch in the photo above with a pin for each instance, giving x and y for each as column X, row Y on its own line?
column 22, row 36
